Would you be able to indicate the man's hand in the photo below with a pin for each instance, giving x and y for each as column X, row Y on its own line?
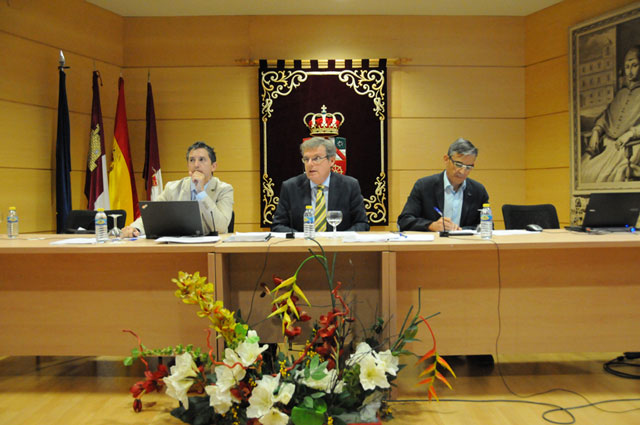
column 437, row 226
column 129, row 232
column 197, row 177
column 622, row 140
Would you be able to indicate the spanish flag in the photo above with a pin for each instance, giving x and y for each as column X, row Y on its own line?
column 122, row 184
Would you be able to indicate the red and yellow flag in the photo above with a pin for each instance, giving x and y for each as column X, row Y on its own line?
column 122, row 184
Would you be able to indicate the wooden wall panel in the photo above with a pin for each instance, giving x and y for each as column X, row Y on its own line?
column 547, row 87
column 234, row 141
column 548, row 141
column 550, row 186
column 546, row 31
column 465, row 92
column 194, row 92
column 75, row 26
column 215, row 41
column 418, row 143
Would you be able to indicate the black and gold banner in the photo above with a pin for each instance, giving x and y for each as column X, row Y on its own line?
column 357, row 89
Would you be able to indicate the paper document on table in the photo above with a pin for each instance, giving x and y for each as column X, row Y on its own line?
column 249, row 237
column 388, row 237
column 414, row 237
column 512, row 232
column 75, row 241
column 188, row 239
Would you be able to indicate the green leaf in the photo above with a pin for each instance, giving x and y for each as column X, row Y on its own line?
column 320, row 405
column 308, row 402
column 318, row 374
column 317, row 395
column 135, row 353
column 302, row 416
column 128, row 361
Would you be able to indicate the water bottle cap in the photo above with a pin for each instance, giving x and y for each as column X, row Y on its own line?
column 12, row 208
column 308, row 207
column 100, row 209
column 486, row 205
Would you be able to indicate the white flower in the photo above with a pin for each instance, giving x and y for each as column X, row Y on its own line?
column 326, row 384
column 370, row 406
column 371, row 374
column 388, row 361
column 285, row 393
column 181, row 378
column 260, row 403
column 249, row 349
column 361, row 350
column 227, row 377
column 219, row 398
column 274, row 417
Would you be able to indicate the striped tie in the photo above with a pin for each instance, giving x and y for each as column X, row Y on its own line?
column 321, row 209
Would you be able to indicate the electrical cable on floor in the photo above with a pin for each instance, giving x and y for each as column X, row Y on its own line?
column 612, row 365
column 554, row 407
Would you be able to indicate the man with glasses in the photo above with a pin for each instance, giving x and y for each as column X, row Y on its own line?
column 448, row 200
column 322, row 189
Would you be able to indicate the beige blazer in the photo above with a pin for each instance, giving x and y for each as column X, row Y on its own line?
column 216, row 207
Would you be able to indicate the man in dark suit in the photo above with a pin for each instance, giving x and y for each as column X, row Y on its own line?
column 448, row 200
column 341, row 192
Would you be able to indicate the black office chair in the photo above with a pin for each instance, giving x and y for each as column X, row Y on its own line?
column 86, row 220
column 518, row 216
column 231, row 222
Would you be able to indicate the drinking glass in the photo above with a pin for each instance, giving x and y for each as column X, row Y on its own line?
column 115, row 231
column 334, row 218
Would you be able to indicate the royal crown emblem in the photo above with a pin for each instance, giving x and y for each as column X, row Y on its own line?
column 323, row 123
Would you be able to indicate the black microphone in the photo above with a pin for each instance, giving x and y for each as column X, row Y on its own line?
column 292, row 233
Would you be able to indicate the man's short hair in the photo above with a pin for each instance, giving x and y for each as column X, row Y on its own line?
column 462, row 147
column 202, row 145
column 315, row 142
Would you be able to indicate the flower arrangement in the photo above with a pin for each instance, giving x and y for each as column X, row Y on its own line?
column 335, row 379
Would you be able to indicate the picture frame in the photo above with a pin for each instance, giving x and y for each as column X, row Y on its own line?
column 605, row 103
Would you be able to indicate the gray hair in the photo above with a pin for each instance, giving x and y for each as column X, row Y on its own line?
column 462, row 147
column 315, row 142
column 202, row 145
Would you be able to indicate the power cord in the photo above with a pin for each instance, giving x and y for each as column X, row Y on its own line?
column 621, row 361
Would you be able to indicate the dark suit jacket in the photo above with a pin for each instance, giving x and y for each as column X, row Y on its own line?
column 428, row 192
column 344, row 195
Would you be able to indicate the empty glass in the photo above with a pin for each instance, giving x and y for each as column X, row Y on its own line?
column 115, row 231
column 334, row 218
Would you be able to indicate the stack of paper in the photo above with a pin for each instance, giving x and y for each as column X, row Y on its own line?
column 249, row 237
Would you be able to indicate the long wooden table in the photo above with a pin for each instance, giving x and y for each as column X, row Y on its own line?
column 549, row 292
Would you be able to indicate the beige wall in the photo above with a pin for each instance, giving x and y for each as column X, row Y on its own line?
column 548, row 142
column 496, row 80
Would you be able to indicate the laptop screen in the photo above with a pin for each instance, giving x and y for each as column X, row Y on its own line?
column 171, row 218
column 612, row 210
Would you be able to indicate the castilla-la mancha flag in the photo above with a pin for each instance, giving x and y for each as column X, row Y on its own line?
column 96, row 184
column 122, row 184
column 151, row 171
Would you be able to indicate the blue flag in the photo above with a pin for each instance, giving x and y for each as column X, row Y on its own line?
column 63, row 157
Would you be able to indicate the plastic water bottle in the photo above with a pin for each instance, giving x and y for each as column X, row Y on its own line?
column 102, row 233
column 12, row 223
column 308, row 219
column 486, row 222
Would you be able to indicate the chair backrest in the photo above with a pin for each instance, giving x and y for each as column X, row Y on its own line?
column 231, row 222
column 86, row 220
column 518, row 216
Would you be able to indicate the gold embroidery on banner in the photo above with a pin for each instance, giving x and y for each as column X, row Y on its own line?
column 376, row 212
column 368, row 83
column 269, row 199
column 94, row 148
column 278, row 83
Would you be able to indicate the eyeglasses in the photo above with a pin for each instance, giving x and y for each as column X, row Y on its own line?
column 459, row 164
column 316, row 159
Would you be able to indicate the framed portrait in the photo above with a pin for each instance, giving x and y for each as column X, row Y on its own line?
column 604, row 76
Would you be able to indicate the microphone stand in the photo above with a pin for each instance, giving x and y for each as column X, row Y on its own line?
column 444, row 233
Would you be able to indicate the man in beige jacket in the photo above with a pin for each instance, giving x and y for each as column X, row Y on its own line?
column 214, row 196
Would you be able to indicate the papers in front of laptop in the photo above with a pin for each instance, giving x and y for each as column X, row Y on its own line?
column 188, row 239
column 249, row 237
column 389, row 237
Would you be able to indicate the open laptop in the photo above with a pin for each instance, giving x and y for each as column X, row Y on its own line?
column 613, row 212
column 171, row 218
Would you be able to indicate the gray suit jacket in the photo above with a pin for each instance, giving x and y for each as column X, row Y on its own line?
column 344, row 195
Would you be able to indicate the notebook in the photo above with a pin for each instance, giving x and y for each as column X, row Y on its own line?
column 171, row 218
column 612, row 211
